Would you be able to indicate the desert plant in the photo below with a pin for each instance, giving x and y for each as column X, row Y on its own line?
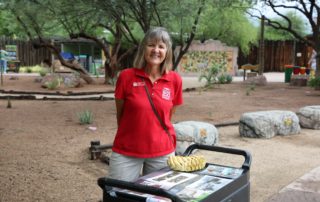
column 314, row 82
column 54, row 83
column 250, row 88
column 29, row 70
column 85, row 117
column 210, row 75
column 222, row 79
column 228, row 78
column 43, row 72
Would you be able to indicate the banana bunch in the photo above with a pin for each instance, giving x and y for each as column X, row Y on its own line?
column 186, row 163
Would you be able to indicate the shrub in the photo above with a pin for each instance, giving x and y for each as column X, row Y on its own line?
column 54, row 83
column 222, row 79
column 228, row 78
column 31, row 69
column 43, row 72
column 210, row 75
column 314, row 82
column 85, row 117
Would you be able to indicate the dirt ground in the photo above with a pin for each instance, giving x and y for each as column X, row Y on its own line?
column 44, row 150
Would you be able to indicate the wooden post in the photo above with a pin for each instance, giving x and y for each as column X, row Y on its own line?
column 261, row 47
column 1, row 68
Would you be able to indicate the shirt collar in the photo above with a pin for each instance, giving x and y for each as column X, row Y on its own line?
column 141, row 73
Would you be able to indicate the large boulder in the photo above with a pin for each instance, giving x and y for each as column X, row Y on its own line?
column 259, row 80
column 309, row 117
column 190, row 132
column 267, row 124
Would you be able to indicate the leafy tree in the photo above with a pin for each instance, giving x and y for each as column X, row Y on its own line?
column 309, row 9
column 276, row 34
column 229, row 24
column 41, row 25
column 126, row 22
column 8, row 25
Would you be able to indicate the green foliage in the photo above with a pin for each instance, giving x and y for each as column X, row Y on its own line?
column 8, row 24
column 228, row 78
column 298, row 25
column 228, row 24
column 211, row 74
column 43, row 72
column 224, row 78
column 29, row 70
column 314, row 82
column 250, row 88
column 85, row 117
column 54, row 83
column 126, row 21
column 32, row 69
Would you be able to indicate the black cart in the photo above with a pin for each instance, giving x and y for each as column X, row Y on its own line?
column 214, row 183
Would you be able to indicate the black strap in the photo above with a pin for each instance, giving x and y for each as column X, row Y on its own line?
column 156, row 112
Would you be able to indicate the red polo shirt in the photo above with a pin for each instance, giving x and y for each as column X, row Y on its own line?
column 140, row 133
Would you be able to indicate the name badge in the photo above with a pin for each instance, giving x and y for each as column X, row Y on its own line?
column 136, row 84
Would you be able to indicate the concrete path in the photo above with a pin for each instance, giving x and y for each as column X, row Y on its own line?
column 193, row 81
column 304, row 189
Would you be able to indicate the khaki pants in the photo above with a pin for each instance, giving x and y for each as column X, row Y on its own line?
column 129, row 168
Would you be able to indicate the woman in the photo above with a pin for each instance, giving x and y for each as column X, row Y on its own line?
column 142, row 144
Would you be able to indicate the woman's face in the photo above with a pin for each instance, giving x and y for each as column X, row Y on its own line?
column 155, row 53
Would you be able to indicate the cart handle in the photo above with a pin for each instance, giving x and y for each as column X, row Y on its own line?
column 247, row 156
column 104, row 182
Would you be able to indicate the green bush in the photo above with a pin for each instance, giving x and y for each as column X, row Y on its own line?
column 222, row 79
column 85, row 117
column 229, row 78
column 43, row 72
column 314, row 82
column 54, row 83
column 210, row 75
column 31, row 69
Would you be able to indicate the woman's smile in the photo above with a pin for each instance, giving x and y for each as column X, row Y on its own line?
column 155, row 53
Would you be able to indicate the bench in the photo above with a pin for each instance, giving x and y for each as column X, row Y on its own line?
column 251, row 68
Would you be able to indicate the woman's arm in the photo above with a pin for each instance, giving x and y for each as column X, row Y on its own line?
column 119, row 107
column 173, row 110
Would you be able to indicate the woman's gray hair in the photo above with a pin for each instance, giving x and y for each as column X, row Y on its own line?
column 155, row 34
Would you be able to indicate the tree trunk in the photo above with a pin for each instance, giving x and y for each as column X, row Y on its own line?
column 83, row 73
column 73, row 65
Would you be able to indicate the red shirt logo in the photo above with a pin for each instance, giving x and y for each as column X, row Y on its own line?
column 166, row 93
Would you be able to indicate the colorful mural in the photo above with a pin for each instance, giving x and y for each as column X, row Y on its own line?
column 198, row 61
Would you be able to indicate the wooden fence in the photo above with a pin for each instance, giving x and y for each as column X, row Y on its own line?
column 27, row 55
column 277, row 55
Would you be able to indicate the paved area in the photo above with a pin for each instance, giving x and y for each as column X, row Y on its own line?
column 193, row 81
column 304, row 189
